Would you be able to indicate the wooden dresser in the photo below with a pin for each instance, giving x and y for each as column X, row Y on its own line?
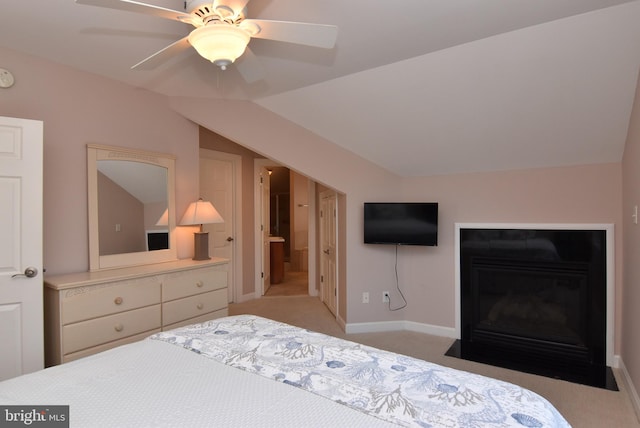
column 89, row 312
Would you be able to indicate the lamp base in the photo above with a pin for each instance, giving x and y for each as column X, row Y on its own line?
column 201, row 246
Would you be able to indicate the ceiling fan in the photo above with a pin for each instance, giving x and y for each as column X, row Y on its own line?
column 222, row 32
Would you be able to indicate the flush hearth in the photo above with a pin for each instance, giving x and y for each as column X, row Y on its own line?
column 535, row 300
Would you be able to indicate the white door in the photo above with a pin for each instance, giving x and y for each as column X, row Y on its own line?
column 265, row 220
column 21, row 284
column 328, row 271
column 219, row 176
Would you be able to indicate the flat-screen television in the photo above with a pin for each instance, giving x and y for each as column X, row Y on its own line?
column 401, row 223
column 157, row 240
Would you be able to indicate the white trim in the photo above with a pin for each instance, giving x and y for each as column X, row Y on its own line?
column 329, row 194
column 342, row 323
column 97, row 152
column 311, row 240
column 246, row 297
column 382, row 326
column 610, row 238
column 258, row 164
column 434, row 330
column 238, row 268
column 628, row 384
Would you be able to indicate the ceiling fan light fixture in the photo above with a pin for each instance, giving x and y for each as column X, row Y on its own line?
column 221, row 44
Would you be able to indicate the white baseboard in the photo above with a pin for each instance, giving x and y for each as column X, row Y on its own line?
column 434, row 330
column 246, row 297
column 628, row 384
column 376, row 327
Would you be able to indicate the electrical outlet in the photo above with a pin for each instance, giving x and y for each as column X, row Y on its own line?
column 365, row 297
column 385, row 297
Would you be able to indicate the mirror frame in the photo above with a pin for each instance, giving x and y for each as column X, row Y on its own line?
column 96, row 152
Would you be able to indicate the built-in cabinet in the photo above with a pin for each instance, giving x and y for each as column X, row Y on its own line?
column 89, row 312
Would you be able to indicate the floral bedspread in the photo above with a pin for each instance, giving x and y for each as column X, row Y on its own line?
column 400, row 389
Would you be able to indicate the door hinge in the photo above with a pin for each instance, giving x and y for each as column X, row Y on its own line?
column 261, row 274
column 321, row 278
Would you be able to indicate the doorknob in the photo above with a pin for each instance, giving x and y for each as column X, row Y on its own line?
column 29, row 272
column 229, row 239
column 326, row 251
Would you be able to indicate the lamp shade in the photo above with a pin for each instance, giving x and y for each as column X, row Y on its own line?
column 221, row 44
column 201, row 212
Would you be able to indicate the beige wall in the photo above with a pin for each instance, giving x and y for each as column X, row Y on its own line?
column 589, row 194
column 117, row 206
column 630, row 293
column 580, row 194
column 212, row 141
column 79, row 108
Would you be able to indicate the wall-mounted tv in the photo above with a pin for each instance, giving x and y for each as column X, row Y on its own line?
column 401, row 223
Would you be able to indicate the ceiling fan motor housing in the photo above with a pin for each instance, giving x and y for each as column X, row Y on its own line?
column 204, row 10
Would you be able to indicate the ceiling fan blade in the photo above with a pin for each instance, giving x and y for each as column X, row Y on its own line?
column 250, row 67
column 318, row 35
column 137, row 7
column 162, row 55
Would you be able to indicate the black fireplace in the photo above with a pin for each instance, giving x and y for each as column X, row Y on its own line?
column 535, row 300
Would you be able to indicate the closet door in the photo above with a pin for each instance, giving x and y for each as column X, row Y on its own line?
column 21, row 283
column 328, row 257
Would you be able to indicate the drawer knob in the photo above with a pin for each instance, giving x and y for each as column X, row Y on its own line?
column 118, row 327
column 199, row 284
column 118, row 300
column 200, row 306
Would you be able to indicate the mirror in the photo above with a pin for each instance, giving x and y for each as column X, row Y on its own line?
column 131, row 207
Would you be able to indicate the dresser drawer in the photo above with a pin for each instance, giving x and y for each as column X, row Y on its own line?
column 110, row 345
column 107, row 299
column 97, row 331
column 193, row 306
column 202, row 318
column 187, row 283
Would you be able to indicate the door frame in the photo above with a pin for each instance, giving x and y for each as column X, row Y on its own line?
column 312, row 241
column 258, row 165
column 325, row 194
column 235, row 290
column 258, row 242
column 21, row 295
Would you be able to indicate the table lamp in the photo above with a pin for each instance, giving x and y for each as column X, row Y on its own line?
column 201, row 212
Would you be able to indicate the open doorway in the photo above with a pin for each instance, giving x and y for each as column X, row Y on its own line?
column 284, row 214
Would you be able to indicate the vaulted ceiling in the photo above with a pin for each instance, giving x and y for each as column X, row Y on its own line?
column 420, row 87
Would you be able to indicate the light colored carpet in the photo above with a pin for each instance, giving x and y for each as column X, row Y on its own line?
column 582, row 406
column 294, row 283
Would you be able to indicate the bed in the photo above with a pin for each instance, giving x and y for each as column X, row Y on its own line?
column 247, row 370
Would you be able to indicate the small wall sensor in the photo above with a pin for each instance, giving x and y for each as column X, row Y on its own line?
column 6, row 78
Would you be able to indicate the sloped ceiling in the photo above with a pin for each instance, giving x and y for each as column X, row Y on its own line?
column 419, row 87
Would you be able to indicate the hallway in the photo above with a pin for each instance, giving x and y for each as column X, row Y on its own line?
column 295, row 283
